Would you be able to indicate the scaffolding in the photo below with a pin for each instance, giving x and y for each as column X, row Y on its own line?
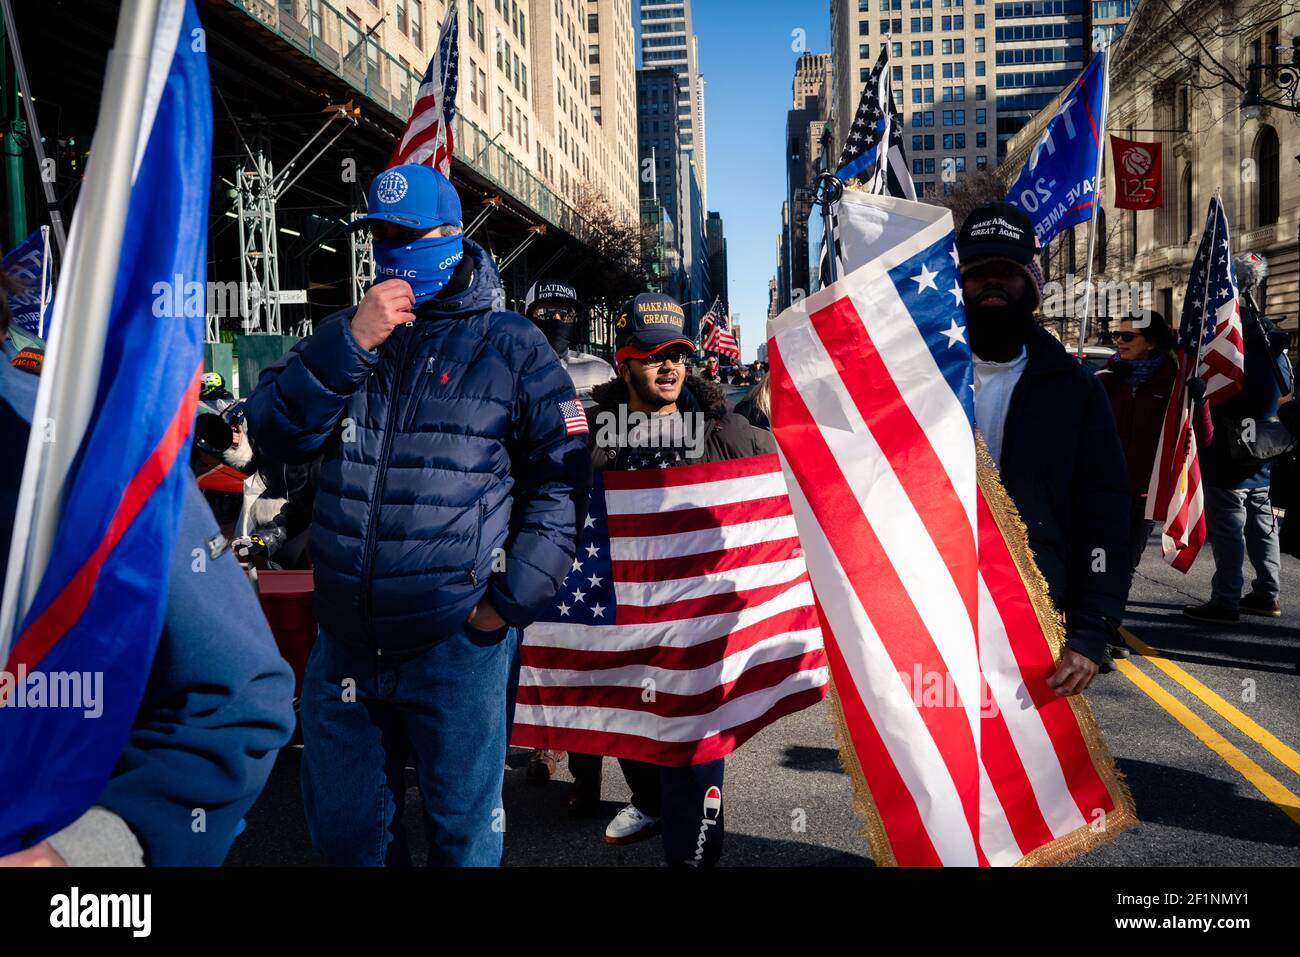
column 258, row 188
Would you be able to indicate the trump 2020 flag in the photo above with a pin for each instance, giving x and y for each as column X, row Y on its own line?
column 98, row 611
column 938, row 629
column 686, row 624
column 28, row 263
column 1056, row 184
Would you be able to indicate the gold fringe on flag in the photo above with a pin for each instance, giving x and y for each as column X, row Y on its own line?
column 1068, row 846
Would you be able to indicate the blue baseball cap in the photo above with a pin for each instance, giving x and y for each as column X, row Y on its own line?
column 413, row 197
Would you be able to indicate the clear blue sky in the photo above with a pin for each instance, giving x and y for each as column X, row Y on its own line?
column 747, row 57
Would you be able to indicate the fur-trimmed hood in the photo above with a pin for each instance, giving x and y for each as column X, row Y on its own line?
column 697, row 394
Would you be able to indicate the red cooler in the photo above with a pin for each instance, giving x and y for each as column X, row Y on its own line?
column 286, row 602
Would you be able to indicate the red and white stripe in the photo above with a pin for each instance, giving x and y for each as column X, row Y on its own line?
column 717, row 633
column 880, row 458
column 1175, row 497
column 1222, row 364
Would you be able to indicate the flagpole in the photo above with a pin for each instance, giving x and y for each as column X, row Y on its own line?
column 70, row 376
column 1090, row 296
column 45, row 281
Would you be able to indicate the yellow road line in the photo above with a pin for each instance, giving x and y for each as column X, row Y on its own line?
column 1265, row 783
column 1261, row 736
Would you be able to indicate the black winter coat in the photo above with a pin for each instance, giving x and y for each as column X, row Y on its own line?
column 1063, row 466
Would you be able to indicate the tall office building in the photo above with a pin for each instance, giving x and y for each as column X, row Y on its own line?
column 611, row 64
column 668, row 40
column 670, row 180
column 811, row 98
column 957, row 93
column 1040, row 50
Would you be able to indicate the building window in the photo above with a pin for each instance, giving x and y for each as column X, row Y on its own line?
column 979, row 44
column 1189, row 214
column 593, row 23
column 1268, row 177
column 981, row 162
column 896, row 49
column 979, row 21
column 864, row 28
column 864, row 51
column 417, row 23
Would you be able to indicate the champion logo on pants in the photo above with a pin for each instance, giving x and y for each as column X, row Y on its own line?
column 712, row 812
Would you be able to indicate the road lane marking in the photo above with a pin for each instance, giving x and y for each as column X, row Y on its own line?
column 1261, row 736
column 1265, row 783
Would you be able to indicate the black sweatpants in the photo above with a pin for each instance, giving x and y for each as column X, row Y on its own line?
column 688, row 800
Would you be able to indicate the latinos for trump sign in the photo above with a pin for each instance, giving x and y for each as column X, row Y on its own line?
column 1138, row 183
column 1055, row 186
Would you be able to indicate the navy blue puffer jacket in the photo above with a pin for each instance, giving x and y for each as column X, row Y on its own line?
column 447, row 471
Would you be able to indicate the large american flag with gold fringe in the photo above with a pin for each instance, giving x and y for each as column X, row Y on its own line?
column 686, row 624
column 939, row 630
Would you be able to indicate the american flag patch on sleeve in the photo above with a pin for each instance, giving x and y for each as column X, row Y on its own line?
column 575, row 420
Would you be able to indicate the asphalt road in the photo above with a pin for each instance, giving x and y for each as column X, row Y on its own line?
column 1209, row 794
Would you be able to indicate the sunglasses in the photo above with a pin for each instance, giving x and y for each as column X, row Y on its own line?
column 1126, row 336
column 675, row 356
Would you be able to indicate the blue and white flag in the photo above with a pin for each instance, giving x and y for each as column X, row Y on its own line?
column 28, row 263
column 99, row 607
column 1056, row 185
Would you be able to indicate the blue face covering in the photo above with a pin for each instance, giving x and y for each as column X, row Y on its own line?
column 427, row 264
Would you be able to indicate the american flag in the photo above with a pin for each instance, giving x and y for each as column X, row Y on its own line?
column 1211, row 328
column 939, row 652
column 686, row 625
column 717, row 334
column 877, row 121
column 428, row 138
column 575, row 420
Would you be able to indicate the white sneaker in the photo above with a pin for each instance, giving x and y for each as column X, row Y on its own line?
column 630, row 826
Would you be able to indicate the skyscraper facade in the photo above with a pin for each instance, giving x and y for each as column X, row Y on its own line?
column 966, row 74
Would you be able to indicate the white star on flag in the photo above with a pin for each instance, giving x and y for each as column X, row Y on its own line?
column 598, row 611
column 595, row 580
column 925, row 280
column 593, row 551
column 564, row 609
column 955, row 333
column 579, row 595
column 957, row 295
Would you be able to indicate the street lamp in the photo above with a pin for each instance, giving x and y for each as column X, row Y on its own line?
column 1285, row 75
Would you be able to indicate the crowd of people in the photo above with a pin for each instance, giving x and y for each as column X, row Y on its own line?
column 437, row 451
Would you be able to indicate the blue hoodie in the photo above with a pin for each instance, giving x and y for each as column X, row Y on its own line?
column 217, row 708
column 447, row 471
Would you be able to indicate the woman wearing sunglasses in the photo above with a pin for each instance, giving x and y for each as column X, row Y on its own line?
column 1138, row 380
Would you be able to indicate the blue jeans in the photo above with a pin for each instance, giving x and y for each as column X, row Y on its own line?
column 1240, row 523
column 363, row 715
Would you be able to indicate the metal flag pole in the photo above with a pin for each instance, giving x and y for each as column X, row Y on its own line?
column 828, row 192
column 70, row 376
column 1089, row 293
column 45, row 281
column 38, row 146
